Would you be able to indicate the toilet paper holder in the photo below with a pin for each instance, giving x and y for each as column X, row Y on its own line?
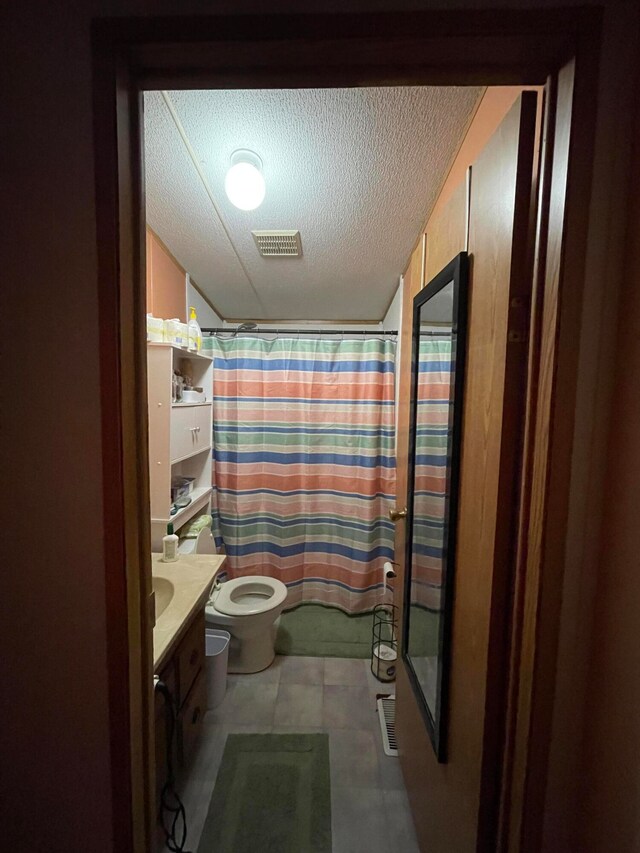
column 384, row 642
column 388, row 573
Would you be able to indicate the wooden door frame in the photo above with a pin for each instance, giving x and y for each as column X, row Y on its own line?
column 403, row 48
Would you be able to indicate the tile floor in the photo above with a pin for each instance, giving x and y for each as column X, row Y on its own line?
column 369, row 808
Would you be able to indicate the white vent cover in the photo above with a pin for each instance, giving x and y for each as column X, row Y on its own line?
column 278, row 244
column 387, row 715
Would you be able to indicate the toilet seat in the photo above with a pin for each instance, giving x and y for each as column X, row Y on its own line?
column 249, row 595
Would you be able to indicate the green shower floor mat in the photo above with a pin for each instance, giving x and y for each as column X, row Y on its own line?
column 312, row 630
column 316, row 631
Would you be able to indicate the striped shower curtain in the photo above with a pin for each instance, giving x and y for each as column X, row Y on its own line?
column 304, row 464
column 430, row 485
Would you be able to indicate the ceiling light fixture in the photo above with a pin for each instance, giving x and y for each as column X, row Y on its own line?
column 244, row 183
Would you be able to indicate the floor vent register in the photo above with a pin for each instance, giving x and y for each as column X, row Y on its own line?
column 387, row 715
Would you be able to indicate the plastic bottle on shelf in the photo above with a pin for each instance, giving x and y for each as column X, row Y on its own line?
column 169, row 546
column 195, row 335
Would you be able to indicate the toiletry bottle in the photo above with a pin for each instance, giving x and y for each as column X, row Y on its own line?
column 195, row 334
column 169, row 546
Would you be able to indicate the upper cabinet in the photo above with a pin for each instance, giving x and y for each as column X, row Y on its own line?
column 166, row 282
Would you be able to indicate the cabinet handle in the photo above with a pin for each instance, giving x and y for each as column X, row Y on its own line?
column 194, row 657
column 196, row 714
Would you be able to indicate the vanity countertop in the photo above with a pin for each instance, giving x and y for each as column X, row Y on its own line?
column 190, row 579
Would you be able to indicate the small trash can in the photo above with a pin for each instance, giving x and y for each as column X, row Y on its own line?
column 217, row 653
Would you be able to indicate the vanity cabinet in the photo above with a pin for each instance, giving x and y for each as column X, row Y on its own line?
column 184, row 675
column 162, row 722
column 189, row 658
column 190, row 719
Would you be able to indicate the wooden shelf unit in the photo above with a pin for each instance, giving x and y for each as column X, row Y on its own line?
column 179, row 437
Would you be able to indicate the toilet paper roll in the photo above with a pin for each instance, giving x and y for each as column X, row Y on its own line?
column 388, row 572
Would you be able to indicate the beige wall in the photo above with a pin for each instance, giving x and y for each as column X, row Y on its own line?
column 55, row 738
column 166, row 282
column 207, row 317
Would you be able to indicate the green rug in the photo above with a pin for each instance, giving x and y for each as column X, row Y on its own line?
column 272, row 794
column 312, row 630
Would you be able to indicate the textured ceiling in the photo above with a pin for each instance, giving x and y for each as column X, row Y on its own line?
column 355, row 170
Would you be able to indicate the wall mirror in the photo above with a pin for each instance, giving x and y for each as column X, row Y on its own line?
column 439, row 341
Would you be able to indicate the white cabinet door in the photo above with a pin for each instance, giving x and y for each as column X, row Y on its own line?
column 190, row 430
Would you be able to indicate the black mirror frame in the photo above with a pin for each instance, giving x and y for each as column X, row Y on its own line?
column 457, row 271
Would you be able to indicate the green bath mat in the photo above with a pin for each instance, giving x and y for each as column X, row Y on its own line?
column 272, row 794
column 313, row 630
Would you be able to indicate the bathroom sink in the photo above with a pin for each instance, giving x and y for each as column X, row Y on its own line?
column 164, row 590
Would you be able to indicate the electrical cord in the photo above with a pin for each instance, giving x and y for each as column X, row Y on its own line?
column 171, row 806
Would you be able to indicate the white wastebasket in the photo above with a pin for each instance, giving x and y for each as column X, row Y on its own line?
column 217, row 652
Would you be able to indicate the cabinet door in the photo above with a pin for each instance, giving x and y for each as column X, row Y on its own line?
column 191, row 716
column 162, row 726
column 190, row 656
column 190, row 430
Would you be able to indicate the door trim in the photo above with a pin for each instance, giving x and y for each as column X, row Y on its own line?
column 123, row 376
column 560, row 273
column 418, row 48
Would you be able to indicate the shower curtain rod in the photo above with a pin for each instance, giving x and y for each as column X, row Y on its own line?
column 230, row 330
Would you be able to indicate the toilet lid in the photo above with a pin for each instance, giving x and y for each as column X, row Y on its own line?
column 249, row 595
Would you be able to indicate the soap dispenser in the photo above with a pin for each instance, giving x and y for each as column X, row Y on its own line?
column 169, row 546
column 195, row 333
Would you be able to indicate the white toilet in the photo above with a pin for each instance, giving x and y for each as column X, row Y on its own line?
column 248, row 608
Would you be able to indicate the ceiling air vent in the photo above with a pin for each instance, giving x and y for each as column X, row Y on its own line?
column 278, row 244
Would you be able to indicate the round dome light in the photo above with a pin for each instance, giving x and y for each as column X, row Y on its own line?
column 244, row 183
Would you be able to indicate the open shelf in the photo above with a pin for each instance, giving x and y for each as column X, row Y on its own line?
column 187, row 405
column 199, row 499
column 191, row 455
column 181, row 351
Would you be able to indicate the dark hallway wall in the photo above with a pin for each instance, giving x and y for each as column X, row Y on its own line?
column 611, row 772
